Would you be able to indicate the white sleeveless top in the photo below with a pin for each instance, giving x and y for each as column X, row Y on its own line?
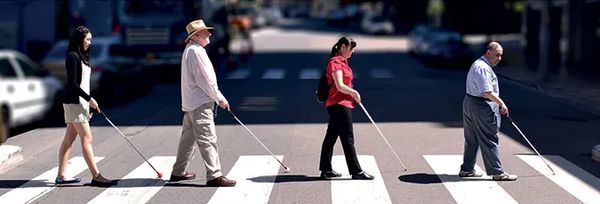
column 86, row 71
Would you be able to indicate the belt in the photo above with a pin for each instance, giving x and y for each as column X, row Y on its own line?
column 479, row 98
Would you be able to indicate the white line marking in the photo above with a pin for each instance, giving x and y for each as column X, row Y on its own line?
column 241, row 73
column 255, row 176
column 358, row 191
column 310, row 73
column 468, row 190
column 44, row 183
column 274, row 74
column 579, row 183
column 381, row 74
column 140, row 184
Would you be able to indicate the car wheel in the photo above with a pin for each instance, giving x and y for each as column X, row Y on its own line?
column 4, row 127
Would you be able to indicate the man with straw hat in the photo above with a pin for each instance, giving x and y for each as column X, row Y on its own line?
column 199, row 92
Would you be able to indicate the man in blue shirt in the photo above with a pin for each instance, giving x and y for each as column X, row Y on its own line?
column 482, row 107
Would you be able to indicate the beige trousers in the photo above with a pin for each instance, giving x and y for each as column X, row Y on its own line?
column 198, row 132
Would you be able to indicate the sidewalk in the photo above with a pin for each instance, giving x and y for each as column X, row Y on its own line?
column 10, row 156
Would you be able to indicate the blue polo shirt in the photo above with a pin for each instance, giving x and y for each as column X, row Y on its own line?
column 481, row 78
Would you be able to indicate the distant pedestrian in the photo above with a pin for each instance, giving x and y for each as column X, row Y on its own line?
column 339, row 104
column 199, row 92
column 76, row 105
column 482, row 107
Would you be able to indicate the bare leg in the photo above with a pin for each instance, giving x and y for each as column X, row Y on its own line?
column 85, row 134
column 64, row 153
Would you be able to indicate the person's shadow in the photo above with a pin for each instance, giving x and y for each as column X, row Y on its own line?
column 424, row 178
column 284, row 178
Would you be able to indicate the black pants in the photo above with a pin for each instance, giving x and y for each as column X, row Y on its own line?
column 340, row 124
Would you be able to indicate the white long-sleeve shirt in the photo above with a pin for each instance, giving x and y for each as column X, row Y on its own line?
column 198, row 78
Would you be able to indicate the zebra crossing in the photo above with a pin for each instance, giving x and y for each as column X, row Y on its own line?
column 257, row 174
column 32, row 190
column 305, row 73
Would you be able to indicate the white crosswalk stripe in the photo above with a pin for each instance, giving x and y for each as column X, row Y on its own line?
column 32, row 190
column 244, row 171
column 139, row 185
column 378, row 73
column 256, row 176
column 240, row 73
column 274, row 73
column 310, row 73
column 306, row 73
column 472, row 190
column 573, row 179
column 346, row 190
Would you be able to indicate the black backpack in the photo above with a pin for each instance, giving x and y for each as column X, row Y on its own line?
column 323, row 89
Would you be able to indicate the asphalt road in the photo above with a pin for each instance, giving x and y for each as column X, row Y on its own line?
column 417, row 108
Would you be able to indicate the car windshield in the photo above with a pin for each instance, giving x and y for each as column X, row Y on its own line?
column 152, row 7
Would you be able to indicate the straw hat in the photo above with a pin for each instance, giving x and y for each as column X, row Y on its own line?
column 194, row 27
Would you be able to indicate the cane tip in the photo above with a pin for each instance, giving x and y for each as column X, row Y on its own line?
column 286, row 169
column 159, row 175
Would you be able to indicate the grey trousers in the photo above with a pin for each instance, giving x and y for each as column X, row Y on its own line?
column 481, row 121
column 198, row 132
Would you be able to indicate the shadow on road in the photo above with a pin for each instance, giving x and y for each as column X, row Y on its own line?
column 284, row 178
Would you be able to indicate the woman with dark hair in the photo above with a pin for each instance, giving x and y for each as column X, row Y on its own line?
column 76, row 106
column 340, row 103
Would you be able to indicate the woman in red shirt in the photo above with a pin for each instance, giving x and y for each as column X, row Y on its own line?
column 340, row 103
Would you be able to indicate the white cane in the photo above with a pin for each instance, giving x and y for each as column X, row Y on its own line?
column 382, row 136
column 531, row 145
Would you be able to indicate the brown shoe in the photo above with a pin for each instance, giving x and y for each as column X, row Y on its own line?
column 185, row 176
column 220, row 181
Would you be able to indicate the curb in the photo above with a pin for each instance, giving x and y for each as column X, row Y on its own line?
column 596, row 153
column 10, row 155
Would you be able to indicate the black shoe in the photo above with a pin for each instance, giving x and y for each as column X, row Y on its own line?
column 108, row 183
column 329, row 174
column 185, row 176
column 60, row 181
column 221, row 181
column 363, row 176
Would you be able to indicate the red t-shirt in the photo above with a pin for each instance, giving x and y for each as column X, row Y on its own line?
column 336, row 97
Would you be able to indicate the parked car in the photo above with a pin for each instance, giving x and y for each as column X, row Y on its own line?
column 438, row 47
column 116, row 73
column 271, row 15
column 376, row 24
column 27, row 92
column 54, row 61
column 343, row 16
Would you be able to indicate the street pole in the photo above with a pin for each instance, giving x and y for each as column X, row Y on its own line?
column 20, row 24
column 544, row 41
column 564, row 43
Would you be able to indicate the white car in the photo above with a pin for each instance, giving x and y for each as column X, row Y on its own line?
column 54, row 61
column 376, row 25
column 27, row 92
